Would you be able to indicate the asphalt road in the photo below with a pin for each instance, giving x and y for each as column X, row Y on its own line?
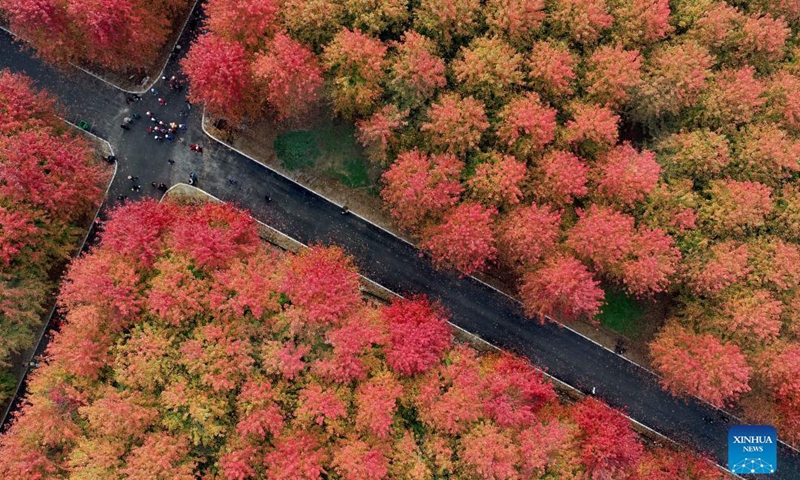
column 380, row 256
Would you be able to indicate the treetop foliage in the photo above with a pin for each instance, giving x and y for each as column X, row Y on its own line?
column 174, row 364
column 665, row 135
column 50, row 181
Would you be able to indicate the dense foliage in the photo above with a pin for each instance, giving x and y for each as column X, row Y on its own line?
column 119, row 34
column 50, row 181
column 644, row 143
column 191, row 350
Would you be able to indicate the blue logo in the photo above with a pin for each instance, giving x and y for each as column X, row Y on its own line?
column 752, row 449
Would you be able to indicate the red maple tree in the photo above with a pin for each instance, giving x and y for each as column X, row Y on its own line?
column 528, row 233
column 464, row 240
column 219, row 76
column 562, row 288
column 609, row 448
column 418, row 335
column 700, row 364
column 419, row 187
column 291, row 76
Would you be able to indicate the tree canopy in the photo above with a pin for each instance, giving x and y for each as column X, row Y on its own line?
column 177, row 362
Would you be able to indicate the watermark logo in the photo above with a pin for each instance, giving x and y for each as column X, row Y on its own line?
column 752, row 449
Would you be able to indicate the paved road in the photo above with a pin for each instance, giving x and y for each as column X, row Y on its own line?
column 380, row 256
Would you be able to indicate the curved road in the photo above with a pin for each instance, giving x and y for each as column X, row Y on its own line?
column 380, row 256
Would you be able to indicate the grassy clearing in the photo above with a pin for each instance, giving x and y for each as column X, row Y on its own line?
column 297, row 149
column 330, row 148
column 622, row 314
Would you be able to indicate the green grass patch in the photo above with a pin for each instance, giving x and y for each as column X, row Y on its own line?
column 622, row 314
column 297, row 149
column 353, row 173
column 330, row 146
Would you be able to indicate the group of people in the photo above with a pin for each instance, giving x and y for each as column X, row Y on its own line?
column 163, row 130
column 160, row 129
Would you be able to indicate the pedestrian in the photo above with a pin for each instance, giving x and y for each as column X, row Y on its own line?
column 124, row 127
column 594, row 390
column 171, row 161
column 232, row 181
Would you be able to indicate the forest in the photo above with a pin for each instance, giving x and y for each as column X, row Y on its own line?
column 567, row 146
column 193, row 350
column 50, row 184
